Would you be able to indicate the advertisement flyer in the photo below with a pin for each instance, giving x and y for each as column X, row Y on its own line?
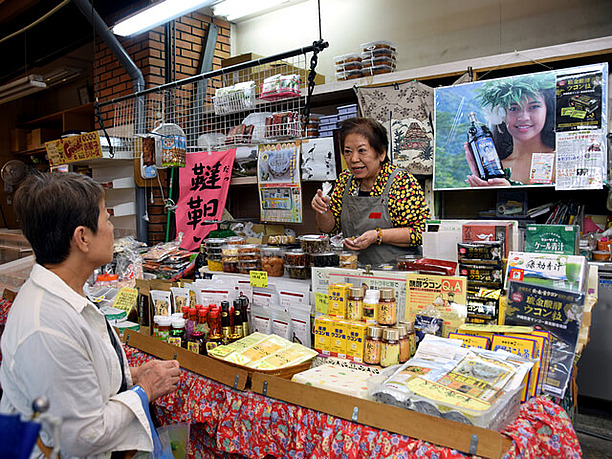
column 278, row 175
column 579, row 101
column 581, row 160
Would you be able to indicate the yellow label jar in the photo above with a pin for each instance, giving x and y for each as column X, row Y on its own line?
column 390, row 350
column 372, row 345
column 354, row 308
column 387, row 307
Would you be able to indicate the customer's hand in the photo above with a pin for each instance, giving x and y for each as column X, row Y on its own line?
column 320, row 203
column 157, row 377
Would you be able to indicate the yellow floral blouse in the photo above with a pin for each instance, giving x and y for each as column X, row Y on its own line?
column 406, row 200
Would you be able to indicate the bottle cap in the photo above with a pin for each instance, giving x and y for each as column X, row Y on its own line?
column 198, row 306
column 197, row 335
column 390, row 334
column 401, row 328
column 164, row 321
column 178, row 322
column 375, row 332
column 193, row 311
column 202, row 312
column 372, row 296
column 409, row 326
column 185, row 309
column 356, row 292
column 387, row 293
column 107, row 278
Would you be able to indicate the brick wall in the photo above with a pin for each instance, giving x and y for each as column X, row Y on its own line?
column 147, row 51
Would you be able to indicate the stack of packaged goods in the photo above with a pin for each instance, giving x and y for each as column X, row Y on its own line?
column 347, row 111
column 327, row 125
column 312, row 128
column 364, row 328
column 378, row 57
column 348, row 66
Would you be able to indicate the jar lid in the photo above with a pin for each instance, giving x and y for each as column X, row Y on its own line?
column 107, row 277
column 215, row 241
column 375, row 332
column 409, row 326
column 193, row 311
column 389, row 334
column 164, row 321
column 176, row 315
column 401, row 328
column 314, row 237
column 356, row 292
column 178, row 322
column 197, row 335
column 387, row 293
column 202, row 312
column 185, row 309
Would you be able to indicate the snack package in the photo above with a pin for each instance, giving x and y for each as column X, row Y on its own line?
column 161, row 302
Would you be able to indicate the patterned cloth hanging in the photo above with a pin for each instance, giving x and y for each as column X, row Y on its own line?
column 406, row 109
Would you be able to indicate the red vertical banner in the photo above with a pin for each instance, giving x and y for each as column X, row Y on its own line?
column 203, row 183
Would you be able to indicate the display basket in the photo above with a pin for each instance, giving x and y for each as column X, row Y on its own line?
column 234, row 101
column 285, row 373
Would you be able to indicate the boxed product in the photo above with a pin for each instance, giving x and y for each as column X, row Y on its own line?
column 481, row 342
column 482, row 275
column 488, row 232
column 557, row 239
column 480, row 252
column 568, row 272
column 337, row 379
column 338, row 298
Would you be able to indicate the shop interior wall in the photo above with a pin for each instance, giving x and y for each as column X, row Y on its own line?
column 426, row 32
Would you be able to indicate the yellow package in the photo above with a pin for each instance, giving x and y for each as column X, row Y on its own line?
column 322, row 330
column 355, row 340
column 339, row 328
column 537, row 370
column 523, row 347
column 293, row 355
column 481, row 342
column 338, row 298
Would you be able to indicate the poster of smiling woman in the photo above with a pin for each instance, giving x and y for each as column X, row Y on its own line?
column 504, row 132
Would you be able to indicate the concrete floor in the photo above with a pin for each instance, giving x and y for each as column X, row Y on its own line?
column 593, row 424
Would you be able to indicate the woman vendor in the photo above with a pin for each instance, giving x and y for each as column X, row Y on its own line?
column 379, row 208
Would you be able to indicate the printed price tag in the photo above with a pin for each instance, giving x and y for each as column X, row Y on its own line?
column 259, row 279
column 321, row 302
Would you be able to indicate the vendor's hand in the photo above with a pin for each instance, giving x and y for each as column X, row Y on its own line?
column 474, row 180
column 157, row 377
column 320, row 203
column 362, row 242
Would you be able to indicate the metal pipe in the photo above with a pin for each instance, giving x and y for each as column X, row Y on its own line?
column 139, row 84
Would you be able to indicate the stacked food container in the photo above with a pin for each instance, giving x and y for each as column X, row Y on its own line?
column 348, row 66
column 378, row 57
column 214, row 253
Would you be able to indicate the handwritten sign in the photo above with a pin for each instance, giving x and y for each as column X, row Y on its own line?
column 126, row 298
column 71, row 149
column 321, row 302
column 259, row 279
column 204, row 183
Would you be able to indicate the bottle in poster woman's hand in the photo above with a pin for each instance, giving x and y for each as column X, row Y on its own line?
column 480, row 141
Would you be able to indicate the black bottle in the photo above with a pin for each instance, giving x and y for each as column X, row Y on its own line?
column 483, row 150
column 200, row 261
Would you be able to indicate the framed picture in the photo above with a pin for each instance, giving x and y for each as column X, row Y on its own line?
column 84, row 97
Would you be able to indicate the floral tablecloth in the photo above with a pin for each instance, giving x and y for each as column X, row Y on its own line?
column 227, row 423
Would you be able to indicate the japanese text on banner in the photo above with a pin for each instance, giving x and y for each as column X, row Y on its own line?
column 204, row 183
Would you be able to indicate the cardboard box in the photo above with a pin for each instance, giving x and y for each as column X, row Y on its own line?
column 486, row 232
column 355, row 341
column 259, row 72
column 18, row 139
column 338, row 299
column 339, row 329
column 557, row 239
column 322, row 330
column 36, row 138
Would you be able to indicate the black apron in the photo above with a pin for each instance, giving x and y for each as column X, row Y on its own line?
column 362, row 213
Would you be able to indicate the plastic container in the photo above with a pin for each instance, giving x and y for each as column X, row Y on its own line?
column 347, row 58
column 379, row 45
column 107, row 280
column 249, row 252
column 246, row 266
column 406, row 262
column 235, row 240
column 298, row 272
column 381, row 60
column 324, row 259
column 296, row 258
column 213, row 246
column 349, row 74
column 215, row 264
column 377, row 70
column 348, row 259
column 230, row 266
column 314, row 243
column 272, row 261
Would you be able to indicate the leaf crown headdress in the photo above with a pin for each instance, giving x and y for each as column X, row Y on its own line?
column 504, row 92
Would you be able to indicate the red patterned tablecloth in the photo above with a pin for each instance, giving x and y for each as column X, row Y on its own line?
column 231, row 423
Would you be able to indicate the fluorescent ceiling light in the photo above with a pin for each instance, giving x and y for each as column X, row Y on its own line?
column 156, row 15
column 235, row 9
column 21, row 88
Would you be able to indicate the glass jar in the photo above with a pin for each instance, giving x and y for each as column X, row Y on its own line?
column 177, row 332
column 373, row 343
column 411, row 336
column 155, row 328
column 272, row 261
column 354, row 307
column 404, row 342
column 390, row 349
column 197, row 343
column 387, row 307
column 164, row 323
column 348, row 259
column 324, row 260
